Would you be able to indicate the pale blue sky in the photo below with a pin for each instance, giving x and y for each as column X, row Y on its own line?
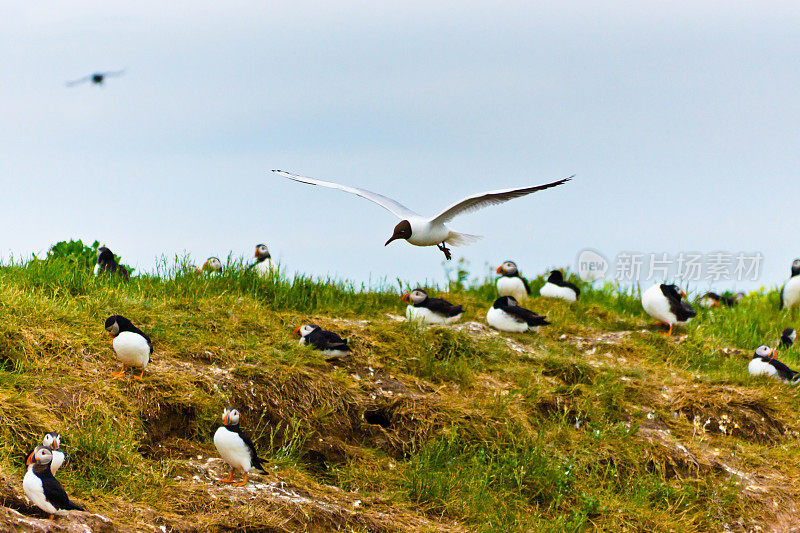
column 680, row 120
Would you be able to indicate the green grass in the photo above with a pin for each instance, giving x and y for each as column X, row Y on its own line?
column 596, row 422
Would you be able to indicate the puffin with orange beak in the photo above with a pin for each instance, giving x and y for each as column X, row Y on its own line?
column 52, row 441
column 235, row 447
column 42, row 488
column 328, row 342
column 263, row 265
column 130, row 344
column 511, row 283
column 668, row 305
column 430, row 310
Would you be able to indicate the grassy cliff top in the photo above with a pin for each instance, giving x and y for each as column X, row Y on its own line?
column 596, row 422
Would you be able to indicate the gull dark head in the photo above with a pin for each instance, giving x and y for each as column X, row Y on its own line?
column 401, row 231
column 555, row 277
column 417, row 296
column 796, row 267
column 508, row 268
column 763, row 351
column 52, row 440
column 305, row 329
column 262, row 253
column 230, row 417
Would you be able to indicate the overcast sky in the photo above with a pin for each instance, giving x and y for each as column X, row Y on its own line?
column 680, row 120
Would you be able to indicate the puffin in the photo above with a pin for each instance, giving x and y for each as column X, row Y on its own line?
column 212, row 265
column 107, row 264
column 788, row 337
column 131, row 345
column 328, row 342
column 506, row 315
column 235, row 447
column 263, row 265
column 430, row 310
column 790, row 294
column 556, row 287
column 42, row 488
column 96, row 78
column 663, row 302
column 712, row 299
column 511, row 282
column 764, row 363
column 430, row 231
column 52, row 441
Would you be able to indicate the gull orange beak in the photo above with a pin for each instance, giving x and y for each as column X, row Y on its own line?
column 404, row 298
column 29, row 461
column 297, row 330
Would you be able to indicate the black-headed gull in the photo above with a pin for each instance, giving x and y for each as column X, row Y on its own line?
column 422, row 231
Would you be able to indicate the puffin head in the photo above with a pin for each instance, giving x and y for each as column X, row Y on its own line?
column 112, row 325
column 40, row 455
column 212, row 264
column 505, row 301
column 789, row 335
column 796, row 267
column 508, row 268
column 401, row 231
column 230, row 416
column 555, row 277
column 305, row 329
column 763, row 351
column 262, row 253
column 417, row 296
column 104, row 255
column 52, row 440
column 673, row 290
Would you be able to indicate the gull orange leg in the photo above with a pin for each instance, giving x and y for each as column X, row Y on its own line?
column 242, row 482
column 119, row 374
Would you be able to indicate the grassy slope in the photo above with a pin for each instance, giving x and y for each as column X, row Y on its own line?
column 597, row 422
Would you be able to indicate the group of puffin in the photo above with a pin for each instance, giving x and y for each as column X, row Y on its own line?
column 665, row 302
column 107, row 264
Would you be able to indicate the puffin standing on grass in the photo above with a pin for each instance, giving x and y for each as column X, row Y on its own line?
column 263, row 265
column 506, row 315
column 42, row 488
column 107, row 264
column 511, row 282
column 764, row 363
column 556, row 287
column 235, row 447
column 430, row 310
column 328, row 342
column 131, row 345
column 52, row 441
column 790, row 294
column 664, row 303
